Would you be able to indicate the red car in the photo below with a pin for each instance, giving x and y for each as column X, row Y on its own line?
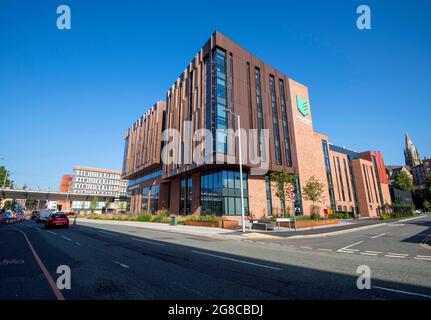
column 56, row 220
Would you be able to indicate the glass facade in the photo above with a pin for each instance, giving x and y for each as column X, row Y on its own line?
column 185, row 195
column 285, row 128
column 340, row 177
column 378, row 181
column 347, row 179
column 221, row 192
column 153, row 174
column 216, row 98
column 268, row 195
column 150, row 199
column 259, row 111
column 328, row 173
column 275, row 120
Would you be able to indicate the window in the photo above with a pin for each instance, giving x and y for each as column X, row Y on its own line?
column 185, row 195
column 328, row 173
column 275, row 121
column 268, row 195
column 285, row 127
column 221, row 192
column 347, row 179
column 259, row 112
column 341, row 179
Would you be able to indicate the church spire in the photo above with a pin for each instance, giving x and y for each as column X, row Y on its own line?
column 411, row 154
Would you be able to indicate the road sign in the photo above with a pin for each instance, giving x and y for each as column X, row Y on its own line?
column 291, row 188
column 292, row 195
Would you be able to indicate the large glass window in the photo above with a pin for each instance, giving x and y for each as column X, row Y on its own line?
column 185, row 195
column 275, row 120
column 285, row 127
column 154, row 198
column 341, row 179
column 347, row 179
column 145, row 197
column 268, row 195
column 216, row 98
column 221, row 192
column 328, row 173
column 259, row 112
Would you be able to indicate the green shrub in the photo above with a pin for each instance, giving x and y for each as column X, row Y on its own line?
column 144, row 218
column 385, row 216
column 315, row 216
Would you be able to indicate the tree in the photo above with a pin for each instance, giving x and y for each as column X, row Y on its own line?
column 427, row 206
column 93, row 205
column 428, row 188
column 282, row 181
column 313, row 191
column 122, row 206
column 4, row 173
column 107, row 203
column 31, row 203
column 403, row 181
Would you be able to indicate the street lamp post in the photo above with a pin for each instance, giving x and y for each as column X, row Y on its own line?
column 240, row 169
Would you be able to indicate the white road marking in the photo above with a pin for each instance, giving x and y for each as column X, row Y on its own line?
column 391, row 256
column 236, row 260
column 308, row 248
column 77, row 243
column 346, row 251
column 397, row 254
column 394, row 224
column 376, row 252
column 420, row 258
column 51, row 232
column 150, row 242
column 112, row 234
column 322, row 249
column 379, row 235
column 404, row 292
column 66, row 238
column 122, row 264
column 352, row 245
column 274, row 244
column 368, row 254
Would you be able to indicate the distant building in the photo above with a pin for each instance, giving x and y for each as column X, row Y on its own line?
column 411, row 154
column 97, row 182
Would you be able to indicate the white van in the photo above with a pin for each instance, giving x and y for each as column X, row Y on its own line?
column 44, row 215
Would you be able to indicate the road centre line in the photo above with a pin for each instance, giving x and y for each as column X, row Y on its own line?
column 397, row 257
column 379, row 235
column 403, row 292
column 397, row 254
column 368, row 254
column 122, row 264
column 66, row 238
column 420, row 258
column 376, row 252
column 51, row 232
column 236, row 260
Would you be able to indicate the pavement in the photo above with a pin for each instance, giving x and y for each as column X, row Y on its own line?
column 127, row 262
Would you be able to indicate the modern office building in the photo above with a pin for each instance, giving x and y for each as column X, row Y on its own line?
column 97, row 182
column 221, row 82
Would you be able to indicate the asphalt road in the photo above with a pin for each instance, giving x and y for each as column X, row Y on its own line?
column 120, row 262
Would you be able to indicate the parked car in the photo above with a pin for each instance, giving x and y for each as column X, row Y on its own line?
column 44, row 215
column 58, row 219
column 419, row 211
column 35, row 215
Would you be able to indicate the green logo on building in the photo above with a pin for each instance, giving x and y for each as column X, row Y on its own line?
column 302, row 106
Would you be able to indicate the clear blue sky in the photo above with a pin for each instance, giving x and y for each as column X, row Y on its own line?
column 67, row 97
